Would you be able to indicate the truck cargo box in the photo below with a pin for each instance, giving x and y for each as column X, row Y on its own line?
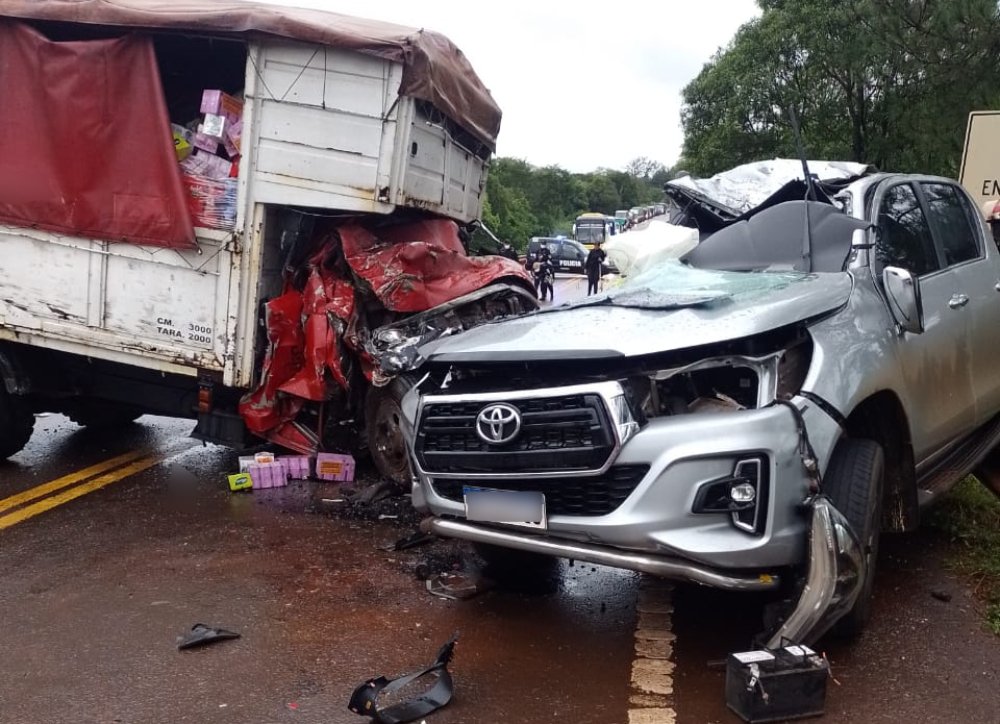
column 340, row 116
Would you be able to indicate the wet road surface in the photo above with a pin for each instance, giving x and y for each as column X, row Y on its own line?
column 95, row 591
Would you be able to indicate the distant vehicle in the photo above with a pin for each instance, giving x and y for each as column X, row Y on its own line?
column 660, row 209
column 591, row 228
column 568, row 255
column 622, row 214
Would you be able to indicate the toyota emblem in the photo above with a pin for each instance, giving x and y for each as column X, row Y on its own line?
column 498, row 423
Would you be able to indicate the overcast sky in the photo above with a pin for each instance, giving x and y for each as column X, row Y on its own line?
column 548, row 62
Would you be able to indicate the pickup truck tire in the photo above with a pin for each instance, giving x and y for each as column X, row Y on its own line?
column 383, row 416
column 104, row 416
column 16, row 424
column 854, row 482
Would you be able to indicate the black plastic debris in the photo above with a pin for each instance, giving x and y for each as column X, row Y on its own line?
column 364, row 700
column 202, row 635
column 417, row 538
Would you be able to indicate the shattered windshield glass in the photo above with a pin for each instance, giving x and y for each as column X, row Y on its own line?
column 673, row 285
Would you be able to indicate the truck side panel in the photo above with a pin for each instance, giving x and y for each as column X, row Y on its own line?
column 163, row 308
column 320, row 117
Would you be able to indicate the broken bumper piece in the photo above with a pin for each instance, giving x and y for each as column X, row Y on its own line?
column 836, row 571
column 673, row 568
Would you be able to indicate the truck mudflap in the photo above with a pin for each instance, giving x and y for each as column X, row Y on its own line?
column 836, row 571
column 354, row 282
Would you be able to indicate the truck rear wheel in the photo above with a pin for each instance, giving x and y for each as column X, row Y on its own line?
column 383, row 418
column 103, row 415
column 16, row 424
column 854, row 482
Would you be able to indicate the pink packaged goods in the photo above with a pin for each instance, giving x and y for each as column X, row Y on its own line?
column 268, row 475
column 333, row 466
column 221, row 104
column 298, row 466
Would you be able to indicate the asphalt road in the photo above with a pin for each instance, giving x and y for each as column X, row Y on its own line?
column 113, row 544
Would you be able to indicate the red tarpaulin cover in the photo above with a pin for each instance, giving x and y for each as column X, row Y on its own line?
column 85, row 140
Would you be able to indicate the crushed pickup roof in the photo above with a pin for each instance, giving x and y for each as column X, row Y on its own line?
column 434, row 69
column 745, row 187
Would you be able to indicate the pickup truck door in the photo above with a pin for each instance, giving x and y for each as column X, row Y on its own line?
column 974, row 269
column 936, row 365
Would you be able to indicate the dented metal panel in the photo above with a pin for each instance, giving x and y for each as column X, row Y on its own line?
column 440, row 173
column 162, row 307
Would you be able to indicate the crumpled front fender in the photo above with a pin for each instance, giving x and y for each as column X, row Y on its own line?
column 837, row 568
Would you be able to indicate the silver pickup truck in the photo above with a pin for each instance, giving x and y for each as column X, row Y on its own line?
column 749, row 417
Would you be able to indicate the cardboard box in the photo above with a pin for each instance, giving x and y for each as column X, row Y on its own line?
column 205, row 142
column 335, row 467
column 299, row 467
column 268, row 475
column 222, row 104
column 214, row 125
column 240, row 481
column 183, row 145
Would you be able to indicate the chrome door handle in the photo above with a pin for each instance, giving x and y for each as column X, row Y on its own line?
column 958, row 300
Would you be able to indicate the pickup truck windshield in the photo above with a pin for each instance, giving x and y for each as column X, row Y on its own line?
column 673, row 285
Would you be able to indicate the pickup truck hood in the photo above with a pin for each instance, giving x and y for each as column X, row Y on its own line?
column 701, row 307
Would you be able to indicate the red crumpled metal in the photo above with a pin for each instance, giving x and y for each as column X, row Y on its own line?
column 417, row 266
column 325, row 296
column 410, row 268
column 264, row 409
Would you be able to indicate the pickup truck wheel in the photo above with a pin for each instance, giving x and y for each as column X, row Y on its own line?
column 854, row 482
column 16, row 424
column 104, row 416
column 383, row 417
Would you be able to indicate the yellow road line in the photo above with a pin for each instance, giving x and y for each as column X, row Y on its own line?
column 59, row 483
column 41, row 506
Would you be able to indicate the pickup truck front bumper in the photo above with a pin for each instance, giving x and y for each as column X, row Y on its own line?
column 666, row 567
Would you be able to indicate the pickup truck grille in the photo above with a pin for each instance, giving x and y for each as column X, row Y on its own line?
column 568, row 432
column 598, row 495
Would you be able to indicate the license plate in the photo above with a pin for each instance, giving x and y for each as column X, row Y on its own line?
column 510, row 507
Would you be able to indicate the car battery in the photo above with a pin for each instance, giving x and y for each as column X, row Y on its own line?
column 776, row 685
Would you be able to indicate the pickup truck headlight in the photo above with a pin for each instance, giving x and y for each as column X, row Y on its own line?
column 624, row 420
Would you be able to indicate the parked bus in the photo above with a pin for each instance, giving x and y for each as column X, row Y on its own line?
column 591, row 228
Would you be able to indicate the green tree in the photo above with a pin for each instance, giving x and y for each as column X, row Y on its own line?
column 886, row 82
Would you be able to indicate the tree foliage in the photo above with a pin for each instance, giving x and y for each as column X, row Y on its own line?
column 524, row 200
column 885, row 82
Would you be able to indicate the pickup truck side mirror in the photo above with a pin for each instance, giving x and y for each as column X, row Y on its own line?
column 902, row 289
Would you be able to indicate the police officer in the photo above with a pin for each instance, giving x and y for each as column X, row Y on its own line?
column 593, row 266
column 544, row 274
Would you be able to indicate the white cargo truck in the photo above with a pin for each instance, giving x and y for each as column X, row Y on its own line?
column 341, row 118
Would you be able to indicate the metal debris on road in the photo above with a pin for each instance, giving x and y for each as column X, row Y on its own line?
column 457, row 586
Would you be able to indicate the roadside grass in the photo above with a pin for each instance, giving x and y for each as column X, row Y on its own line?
column 970, row 516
